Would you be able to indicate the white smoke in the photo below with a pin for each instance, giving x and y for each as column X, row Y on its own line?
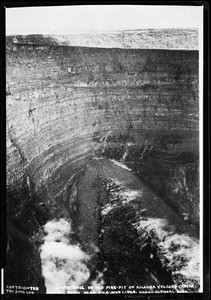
column 123, row 195
column 63, row 265
column 97, row 284
column 130, row 195
column 178, row 252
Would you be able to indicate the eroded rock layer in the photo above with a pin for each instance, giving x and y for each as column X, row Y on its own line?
column 67, row 105
column 63, row 101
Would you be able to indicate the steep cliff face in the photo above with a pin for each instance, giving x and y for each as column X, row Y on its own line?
column 67, row 105
column 64, row 101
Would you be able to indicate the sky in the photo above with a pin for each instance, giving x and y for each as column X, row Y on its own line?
column 89, row 18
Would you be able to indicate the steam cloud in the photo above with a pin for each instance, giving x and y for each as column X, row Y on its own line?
column 63, row 265
column 178, row 252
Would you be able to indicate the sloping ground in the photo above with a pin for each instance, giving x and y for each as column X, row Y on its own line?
column 142, row 240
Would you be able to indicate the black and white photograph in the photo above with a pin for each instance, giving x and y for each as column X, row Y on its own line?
column 104, row 150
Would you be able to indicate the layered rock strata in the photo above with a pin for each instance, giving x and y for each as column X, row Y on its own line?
column 67, row 105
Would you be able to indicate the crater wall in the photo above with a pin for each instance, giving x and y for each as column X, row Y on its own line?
column 64, row 103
